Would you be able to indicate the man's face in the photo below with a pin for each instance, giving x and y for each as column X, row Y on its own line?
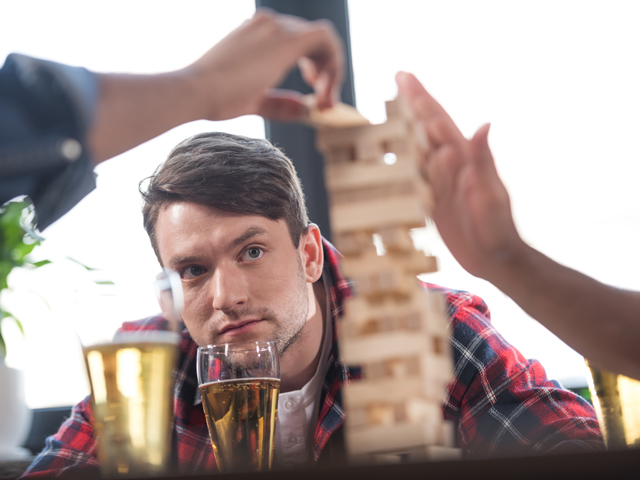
column 242, row 277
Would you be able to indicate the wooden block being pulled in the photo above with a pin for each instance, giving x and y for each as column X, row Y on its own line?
column 340, row 115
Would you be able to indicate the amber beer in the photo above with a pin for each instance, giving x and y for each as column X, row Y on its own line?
column 616, row 399
column 132, row 400
column 241, row 417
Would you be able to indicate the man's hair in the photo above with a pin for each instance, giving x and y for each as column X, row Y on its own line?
column 237, row 174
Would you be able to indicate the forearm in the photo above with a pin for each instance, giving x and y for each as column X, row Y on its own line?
column 135, row 108
column 597, row 320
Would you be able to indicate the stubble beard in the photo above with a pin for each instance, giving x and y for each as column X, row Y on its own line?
column 290, row 329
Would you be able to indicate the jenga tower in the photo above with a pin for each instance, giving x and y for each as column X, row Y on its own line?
column 393, row 328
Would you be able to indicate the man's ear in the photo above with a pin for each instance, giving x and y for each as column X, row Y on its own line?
column 311, row 253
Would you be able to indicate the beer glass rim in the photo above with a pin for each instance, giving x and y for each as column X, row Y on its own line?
column 237, row 346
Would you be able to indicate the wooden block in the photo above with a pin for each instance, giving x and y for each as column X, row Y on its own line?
column 376, row 347
column 368, row 150
column 392, row 437
column 339, row 155
column 437, row 372
column 374, row 192
column 412, row 264
column 398, row 109
column 377, row 214
column 396, row 239
column 340, row 115
column 428, row 381
column 423, row 410
column 384, row 283
column 361, row 393
column 355, row 244
column 384, row 132
column 422, row 312
column 350, row 175
column 382, row 412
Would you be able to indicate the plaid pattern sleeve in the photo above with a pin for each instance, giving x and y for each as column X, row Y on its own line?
column 503, row 403
column 73, row 447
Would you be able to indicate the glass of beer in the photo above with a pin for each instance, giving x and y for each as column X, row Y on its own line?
column 239, row 386
column 616, row 399
column 130, row 372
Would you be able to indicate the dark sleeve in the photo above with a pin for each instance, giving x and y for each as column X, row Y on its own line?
column 503, row 403
column 72, row 449
column 46, row 109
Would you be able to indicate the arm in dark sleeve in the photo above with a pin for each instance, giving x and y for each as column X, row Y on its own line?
column 46, row 109
column 503, row 403
column 73, row 447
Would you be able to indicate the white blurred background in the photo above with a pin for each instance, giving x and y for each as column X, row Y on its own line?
column 557, row 80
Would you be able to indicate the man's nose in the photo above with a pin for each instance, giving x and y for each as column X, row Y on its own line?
column 229, row 288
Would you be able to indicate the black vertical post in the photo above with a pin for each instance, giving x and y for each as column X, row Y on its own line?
column 297, row 141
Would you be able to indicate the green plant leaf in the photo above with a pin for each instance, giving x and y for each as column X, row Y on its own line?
column 41, row 263
column 21, row 250
column 104, row 282
column 91, row 269
column 19, row 324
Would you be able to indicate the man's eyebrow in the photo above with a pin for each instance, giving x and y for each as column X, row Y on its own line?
column 250, row 232
column 183, row 260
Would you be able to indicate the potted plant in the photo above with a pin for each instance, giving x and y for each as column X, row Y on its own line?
column 17, row 241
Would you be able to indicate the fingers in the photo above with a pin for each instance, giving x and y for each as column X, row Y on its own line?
column 315, row 45
column 322, row 61
column 480, row 147
column 438, row 125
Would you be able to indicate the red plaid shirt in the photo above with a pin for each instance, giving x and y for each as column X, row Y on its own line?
column 501, row 402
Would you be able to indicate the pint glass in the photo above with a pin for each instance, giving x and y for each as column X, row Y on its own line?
column 616, row 399
column 239, row 386
column 132, row 389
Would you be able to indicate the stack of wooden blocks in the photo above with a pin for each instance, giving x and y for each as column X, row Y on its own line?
column 393, row 329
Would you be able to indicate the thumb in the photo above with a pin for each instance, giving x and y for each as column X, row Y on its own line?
column 282, row 106
column 409, row 85
column 480, row 146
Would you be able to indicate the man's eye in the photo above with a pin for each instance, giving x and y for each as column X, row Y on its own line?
column 192, row 271
column 253, row 253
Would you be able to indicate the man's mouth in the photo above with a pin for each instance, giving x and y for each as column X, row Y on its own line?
column 239, row 327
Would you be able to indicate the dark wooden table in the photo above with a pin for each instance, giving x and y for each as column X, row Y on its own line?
column 604, row 465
